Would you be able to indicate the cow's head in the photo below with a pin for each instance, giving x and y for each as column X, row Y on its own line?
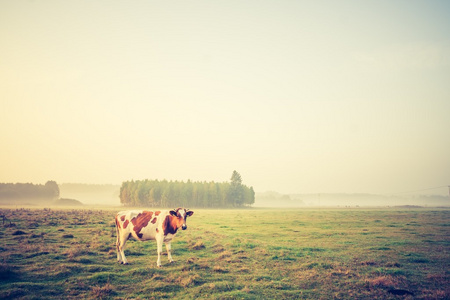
column 181, row 214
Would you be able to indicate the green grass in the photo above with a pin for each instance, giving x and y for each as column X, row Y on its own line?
column 230, row 254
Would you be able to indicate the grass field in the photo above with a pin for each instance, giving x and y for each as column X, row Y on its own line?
column 231, row 254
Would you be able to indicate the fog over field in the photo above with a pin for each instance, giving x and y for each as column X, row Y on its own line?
column 323, row 101
column 108, row 195
column 92, row 194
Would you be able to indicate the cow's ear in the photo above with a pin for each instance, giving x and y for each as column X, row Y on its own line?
column 173, row 213
column 189, row 213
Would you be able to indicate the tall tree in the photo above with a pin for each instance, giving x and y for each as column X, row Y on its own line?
column 236, row 189
column 236, row 178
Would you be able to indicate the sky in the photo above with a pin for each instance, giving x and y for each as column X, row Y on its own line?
column 297, row 96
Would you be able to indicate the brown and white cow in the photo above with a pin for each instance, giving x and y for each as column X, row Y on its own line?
column 146, row 225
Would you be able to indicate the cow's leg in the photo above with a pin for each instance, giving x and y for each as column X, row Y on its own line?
column 159, row 242
column 120, row 249
column 169, row 251
column 119, row 256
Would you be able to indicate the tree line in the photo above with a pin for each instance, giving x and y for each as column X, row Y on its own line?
column 165, row 193
column 16, row 191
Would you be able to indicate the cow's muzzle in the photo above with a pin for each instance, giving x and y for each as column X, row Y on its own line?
column 184, row 227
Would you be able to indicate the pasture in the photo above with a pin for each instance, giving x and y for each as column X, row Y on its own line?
column 394, row 253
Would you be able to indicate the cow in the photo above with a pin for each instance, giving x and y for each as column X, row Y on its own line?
column 145, row 225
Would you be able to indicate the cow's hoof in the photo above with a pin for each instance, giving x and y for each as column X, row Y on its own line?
column 125, row 263
column 172, row 261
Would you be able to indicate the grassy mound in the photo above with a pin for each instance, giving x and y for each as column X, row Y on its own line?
column 67, row 202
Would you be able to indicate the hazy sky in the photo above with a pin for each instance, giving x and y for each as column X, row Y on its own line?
column 297, row 96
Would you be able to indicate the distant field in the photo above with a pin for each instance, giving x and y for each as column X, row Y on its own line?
column 231, row 254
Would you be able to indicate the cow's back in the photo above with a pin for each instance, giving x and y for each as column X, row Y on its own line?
column 141, row 224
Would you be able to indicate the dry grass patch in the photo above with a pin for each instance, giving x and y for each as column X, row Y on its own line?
column 437, row 294
column 219, row 269
column 101, row 292
column 383, row 281
column 217, row 248
column 198, row 245
column 76, row 251
column 224, row 254
column 188, row 279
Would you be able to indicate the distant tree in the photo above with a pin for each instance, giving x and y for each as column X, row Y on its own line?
column 236, row 178
column 249, row 196
column 151, row 197
column 126, row 193
column 52, row 189
column 11, row 191
column 236, row 189
column 213, row 195
column 224, row 194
